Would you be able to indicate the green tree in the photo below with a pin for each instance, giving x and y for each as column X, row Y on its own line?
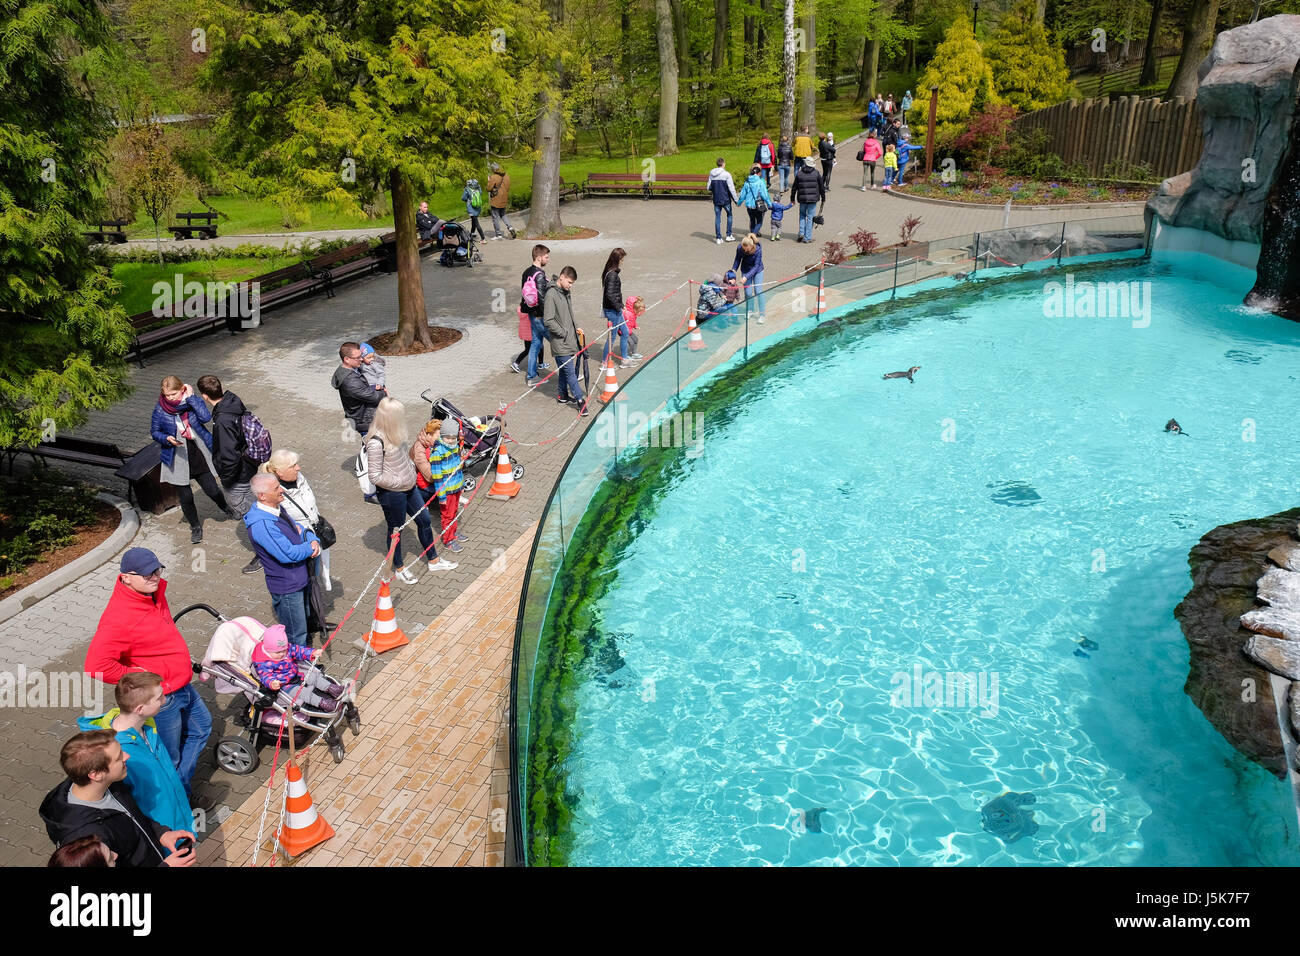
column 965, row 83
column 61, row 352
column 1028, row 69
column 150, row 174
column 338, row 99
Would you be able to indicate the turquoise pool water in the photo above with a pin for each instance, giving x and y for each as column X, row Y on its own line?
column 844, row 541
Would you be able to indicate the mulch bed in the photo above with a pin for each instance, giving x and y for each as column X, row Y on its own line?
column 107, row 518
column 570, row 232
column 385, row 344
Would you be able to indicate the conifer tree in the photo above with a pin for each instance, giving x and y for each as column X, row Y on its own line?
column 61, row 351
column 1029, row 71
column 965, row 83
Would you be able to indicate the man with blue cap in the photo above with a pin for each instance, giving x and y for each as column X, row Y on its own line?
column 136, row 633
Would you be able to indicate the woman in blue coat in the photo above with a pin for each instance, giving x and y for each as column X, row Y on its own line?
column 177, row 426
column 751, row 194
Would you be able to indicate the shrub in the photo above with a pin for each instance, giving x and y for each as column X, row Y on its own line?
column 866, row 242
column 833, row 253
column 907, row 227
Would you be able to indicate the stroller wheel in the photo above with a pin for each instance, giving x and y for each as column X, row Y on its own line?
column 337, row 752
column 517, row 472
column 470, row 482
column 236, row 755
column 353, row 718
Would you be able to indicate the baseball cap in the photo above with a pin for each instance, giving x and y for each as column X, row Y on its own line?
column 140, row 561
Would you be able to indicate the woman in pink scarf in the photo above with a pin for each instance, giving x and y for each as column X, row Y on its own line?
column 177, row 426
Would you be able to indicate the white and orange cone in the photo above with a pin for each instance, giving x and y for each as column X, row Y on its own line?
column 303, row 827
column 505, row 487
column 385, row 634
column 821, row 293
column 611, row 380
column 697, row 340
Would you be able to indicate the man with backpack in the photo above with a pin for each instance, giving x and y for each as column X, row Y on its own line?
column 498, row 198
column 235, row 458
column 723, row 190
column 532, row 303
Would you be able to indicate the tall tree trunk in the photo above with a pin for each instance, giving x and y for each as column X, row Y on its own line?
column 720, row 16
column 667, row 79
column 808, row 102
column 1150, row 63
column 788, row 72
column 761, row 51
column 544, row 216
column 1197, row 36
column 412, row 318
column 910, row 65
column 625, row 35
column 1040, row 12
column 544, row 212
column 864, row 68
column 683, row 64
column 832, row 50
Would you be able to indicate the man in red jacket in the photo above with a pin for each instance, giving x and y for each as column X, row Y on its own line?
column 136, row 633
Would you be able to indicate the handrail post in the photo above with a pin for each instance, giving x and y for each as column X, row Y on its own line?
column 893, row 293
column 977, row 254
column 1061, row 248
column 821, row 283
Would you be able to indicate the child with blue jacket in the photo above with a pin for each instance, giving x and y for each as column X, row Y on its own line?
column 778, row 214
column 905, row 150
column 472, row 197
column 151, row 775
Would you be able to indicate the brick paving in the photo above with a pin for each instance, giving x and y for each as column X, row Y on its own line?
column 282, row 372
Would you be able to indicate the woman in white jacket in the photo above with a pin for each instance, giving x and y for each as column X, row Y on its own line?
column 299, row 499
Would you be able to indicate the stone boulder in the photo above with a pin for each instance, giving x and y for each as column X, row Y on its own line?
column 1280, row 589
column 1247, row 100
column 1286, row 556
column 1275, row 622
column 1281, row 657
column 1225, row 565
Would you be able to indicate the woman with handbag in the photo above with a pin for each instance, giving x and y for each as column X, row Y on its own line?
column 300, row 503
column 755, row 198
column 177, row 425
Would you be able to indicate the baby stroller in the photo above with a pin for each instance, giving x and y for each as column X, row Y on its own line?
column 458, row 245
column 478, row 442
column 229, row 662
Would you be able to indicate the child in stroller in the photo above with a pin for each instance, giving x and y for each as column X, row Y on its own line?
column 459, row 248
column 275, row 663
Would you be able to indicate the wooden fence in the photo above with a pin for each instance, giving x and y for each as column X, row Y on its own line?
column 1113, row 138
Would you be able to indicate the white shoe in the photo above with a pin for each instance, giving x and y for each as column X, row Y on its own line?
column 717, row 242
column 406, row 577
column 731, row 238
column 760, row 320
column 442, row 564
column 329, row 585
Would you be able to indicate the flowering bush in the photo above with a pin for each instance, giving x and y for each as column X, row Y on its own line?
column 866, row 242
column 834, row 252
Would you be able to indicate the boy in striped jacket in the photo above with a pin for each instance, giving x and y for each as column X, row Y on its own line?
column 448, row 480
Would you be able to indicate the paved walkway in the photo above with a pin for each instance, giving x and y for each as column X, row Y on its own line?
column 282, row 372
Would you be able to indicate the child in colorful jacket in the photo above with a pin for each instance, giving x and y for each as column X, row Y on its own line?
column 633, row 308
column 448, row 478
column 275, row 663
column 905, row 150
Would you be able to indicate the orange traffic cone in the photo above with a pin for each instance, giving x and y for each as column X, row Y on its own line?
column 505, row 487
column 303, row 827
column 385, row 634
column 697, row 340
column 611, row 380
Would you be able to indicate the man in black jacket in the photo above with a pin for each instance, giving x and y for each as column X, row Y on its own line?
column 94, row 801
column 808, row 190
column 359, row 397
column 234, row 470
column 424, row 222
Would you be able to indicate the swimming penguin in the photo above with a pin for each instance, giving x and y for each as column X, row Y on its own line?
column 1173, row 426
column 907, row 375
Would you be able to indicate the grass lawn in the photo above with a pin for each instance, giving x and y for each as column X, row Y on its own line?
column 248, row 215
column 1126, row 80
column 137, row 278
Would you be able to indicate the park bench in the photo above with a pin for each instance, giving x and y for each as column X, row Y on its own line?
column 683, row 185
column 569, row 190
column 76, row 450
column 110, row 230
column 208, row 229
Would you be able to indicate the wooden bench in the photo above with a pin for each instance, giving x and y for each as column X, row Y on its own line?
column 110, row 230
column 206, row 231
column 684, row 185
column 569, row 190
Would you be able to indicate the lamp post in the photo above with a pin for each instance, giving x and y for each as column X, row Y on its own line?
column 975, row 22
column 929, row 131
